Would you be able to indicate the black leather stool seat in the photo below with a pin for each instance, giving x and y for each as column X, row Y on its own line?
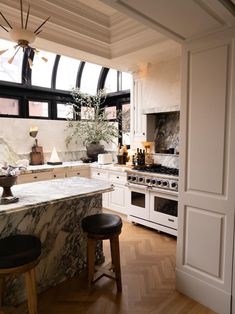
column 102, row 224
column 17, row 250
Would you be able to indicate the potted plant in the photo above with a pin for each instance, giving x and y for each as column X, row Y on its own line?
column 91, row 125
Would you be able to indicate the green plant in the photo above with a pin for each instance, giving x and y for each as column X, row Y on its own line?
column 94, row 126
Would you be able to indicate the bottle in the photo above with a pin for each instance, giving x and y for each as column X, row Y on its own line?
column 143, row 158
column 137, row 157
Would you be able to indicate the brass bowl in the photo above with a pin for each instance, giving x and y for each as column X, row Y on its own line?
column 6, row 182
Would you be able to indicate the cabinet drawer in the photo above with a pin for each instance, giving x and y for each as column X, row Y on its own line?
column 117, row 177
column 78, row 173
column 99, row 174
column 33, row 177
column 58, row 175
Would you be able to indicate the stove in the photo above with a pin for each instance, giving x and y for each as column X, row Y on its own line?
column 156, row 176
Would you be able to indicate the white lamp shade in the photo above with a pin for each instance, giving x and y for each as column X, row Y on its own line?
column 22, row 34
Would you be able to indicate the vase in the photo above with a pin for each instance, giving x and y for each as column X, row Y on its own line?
column 93, row 150
column 6, row 182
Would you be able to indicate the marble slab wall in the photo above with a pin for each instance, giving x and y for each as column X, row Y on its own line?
column 58, row 225
column 167, row 131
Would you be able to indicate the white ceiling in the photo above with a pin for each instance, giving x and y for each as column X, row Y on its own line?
column 120, row 33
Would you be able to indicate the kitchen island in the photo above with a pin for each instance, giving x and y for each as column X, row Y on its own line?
column 53, row 211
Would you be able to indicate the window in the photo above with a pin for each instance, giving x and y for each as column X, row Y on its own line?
column 90, row 76
column 126, row 135
column 111, row 81
column 111, row 112
column 64, row 111
column 41, row 70
column 38, row 109
column 10, row 72
column 9, row 106
column 67, row 73
column 126, row 81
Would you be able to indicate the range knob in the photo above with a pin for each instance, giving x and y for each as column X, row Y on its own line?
column 129, row 178
column 141, row 179
column 164, row 183
column 159, row 182
column 133, row 178
column 153, row 181
column 147, row 180
column 174, row 185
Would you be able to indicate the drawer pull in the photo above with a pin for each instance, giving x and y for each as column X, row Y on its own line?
column 54, row 175
column 98, row 173
column 171, row 220
column 78, row 173
column 117, row 177
column 35, row 177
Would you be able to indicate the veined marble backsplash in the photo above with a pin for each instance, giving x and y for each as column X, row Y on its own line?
column 171, row 161
column 167, row 131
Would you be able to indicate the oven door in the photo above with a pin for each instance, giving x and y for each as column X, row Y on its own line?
column 164, row 209
column 138, row 201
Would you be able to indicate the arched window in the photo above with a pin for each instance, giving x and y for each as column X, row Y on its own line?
column 42, row 71
column 90, row 76
column 67, row 73
column 10, row 72
column 126, row 81
column 111, row 84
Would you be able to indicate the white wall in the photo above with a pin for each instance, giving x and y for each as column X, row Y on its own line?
column 15, row 132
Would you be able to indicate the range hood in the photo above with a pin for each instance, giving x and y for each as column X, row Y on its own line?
column 152, row 110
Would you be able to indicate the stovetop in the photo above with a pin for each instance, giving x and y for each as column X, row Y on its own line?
column 157, row 169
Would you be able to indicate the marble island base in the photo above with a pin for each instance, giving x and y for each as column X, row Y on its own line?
column 58, row 225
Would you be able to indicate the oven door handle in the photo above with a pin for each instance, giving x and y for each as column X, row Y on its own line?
column 136, row 186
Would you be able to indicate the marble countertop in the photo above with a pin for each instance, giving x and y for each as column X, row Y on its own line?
column 46, row 167
column 70, row 164
column 48, row 192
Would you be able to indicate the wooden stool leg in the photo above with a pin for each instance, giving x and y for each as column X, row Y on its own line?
column 30, row 280
column 90, row 259
column 2, row 282
column 115, row 253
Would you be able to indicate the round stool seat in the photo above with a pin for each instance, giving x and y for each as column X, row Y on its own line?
column 102, row 224
column 17, row 250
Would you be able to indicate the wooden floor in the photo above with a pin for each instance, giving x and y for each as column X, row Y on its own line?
column 148, row 275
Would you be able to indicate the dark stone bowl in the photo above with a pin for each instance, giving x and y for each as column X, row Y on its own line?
column 6, row 182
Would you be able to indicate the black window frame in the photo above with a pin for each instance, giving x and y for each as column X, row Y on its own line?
column 25, row 92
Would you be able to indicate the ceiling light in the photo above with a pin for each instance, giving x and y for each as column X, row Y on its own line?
column 22, row 36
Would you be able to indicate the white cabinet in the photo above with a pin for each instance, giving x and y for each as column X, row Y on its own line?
column 101, row 174
column 138, row 122
column 115, row 200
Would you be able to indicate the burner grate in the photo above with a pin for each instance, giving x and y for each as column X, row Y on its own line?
column 158, row 169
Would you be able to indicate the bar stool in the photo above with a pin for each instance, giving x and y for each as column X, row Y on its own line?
column 20, row 254
column 103, row 227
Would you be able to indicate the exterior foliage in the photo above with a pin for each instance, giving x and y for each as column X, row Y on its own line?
column 94, row 127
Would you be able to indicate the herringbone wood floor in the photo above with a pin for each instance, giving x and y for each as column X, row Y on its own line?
column 148, row 275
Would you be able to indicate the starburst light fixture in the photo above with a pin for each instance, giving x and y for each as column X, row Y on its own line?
column 22, row 36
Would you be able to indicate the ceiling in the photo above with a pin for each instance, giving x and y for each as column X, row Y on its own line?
column 123, row 34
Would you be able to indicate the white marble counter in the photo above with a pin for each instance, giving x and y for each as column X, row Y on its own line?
column 71, row 164
column 45, row 192
column 113, row 167
column 64, row 165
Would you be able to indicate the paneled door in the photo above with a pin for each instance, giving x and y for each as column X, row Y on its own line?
column 207, row 171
